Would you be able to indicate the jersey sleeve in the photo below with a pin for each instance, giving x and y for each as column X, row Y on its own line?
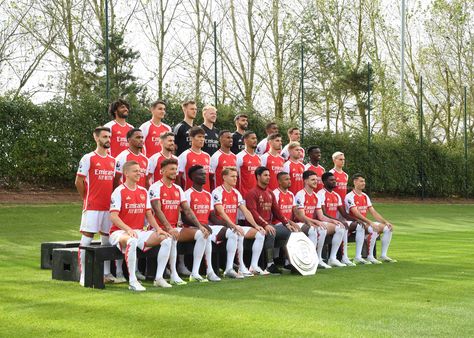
column 339, row 200
column 214, row 162
column 182, row 162
column 84, row 166
column 145, row 127
column 263, row 159
column 239, row 161
column 261, row 146
column 119, row 162
column 116, row 200
column 286, row 166
column 217, row 197
column 284, row 153
column 154, row 192
column 182, row 198
column 369, row 202
column 276, row 193
column 349, row 202
column 299, row 200
column 320, row 196
column 211, row 205
column 240, row 200
column 148, row 202
column 187, row 195
column 151, row 165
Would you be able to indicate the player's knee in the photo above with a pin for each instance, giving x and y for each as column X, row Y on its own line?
column 259, row 236
column 198, row 235
column 166, row 244
column 132, row 241
column 231, row 235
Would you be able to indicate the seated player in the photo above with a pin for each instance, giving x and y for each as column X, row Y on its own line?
column 167, row 200
column 332, row 207
column 129, row 207
column 357, row 204
column 227, row 200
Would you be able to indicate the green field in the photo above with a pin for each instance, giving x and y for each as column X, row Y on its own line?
column 429, row 292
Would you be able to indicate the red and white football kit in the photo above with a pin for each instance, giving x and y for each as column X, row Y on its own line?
column 200, row 203
column 118, row 139
column 190, row 158
column 220, row 161
column 275, row 166
column 151, row 133
column 331, row 201
column 246, row 165
column 285, row 153
column 154, row 166
column 361, row 202
column 309, row 202
column 319, row 170
column 295, row 170
column 286, row 201
column 141, row 159
column 341, row 183
column 170, row 198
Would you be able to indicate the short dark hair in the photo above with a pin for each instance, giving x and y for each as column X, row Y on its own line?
column 132, row 131
column 292, row 129
column 157, row 102
column 168, row 161
column 326, row 175
column 270, row 124
column 196, row 130
column 307, row 174
column 247, row 134
column 166, row 134
column 100, row 129
column 281, row 174
column 273, row 136
column 310, row 149
column 193, row 169
column 222, row 132
column 116, row 105
column 238, row 116
column 260, row 170
column 357, row 176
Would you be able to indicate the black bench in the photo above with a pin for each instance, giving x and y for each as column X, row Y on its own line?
column 48, row 247
column 65, row 264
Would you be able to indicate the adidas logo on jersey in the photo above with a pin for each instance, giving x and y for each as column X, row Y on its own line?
column 98, row 164
column 128, row 198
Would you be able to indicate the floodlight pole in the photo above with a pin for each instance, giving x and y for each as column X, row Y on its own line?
column 402, row 56
column 369, row 140
column 215, row 64
column 465, row 145
column 302, row 92
column 107, row 80
column 422, row 179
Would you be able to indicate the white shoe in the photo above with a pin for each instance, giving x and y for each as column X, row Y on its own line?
column 81, row 282
column 183, row 270
column 212, row 277
column 335, row 263
column 245, row 272
column 361, row 261
column 197, row 278
column 387, row 259
column 177, row 281
column 232, row 274
column 347, row 261
column 109, row 278
column 136, row 286
column 258, row 271
column 162, row 283
column 372, row 260
column 324, row 265
column 139, row 275
column 120, row 279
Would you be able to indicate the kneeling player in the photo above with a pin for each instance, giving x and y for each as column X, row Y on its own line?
column 129, row 207
column 357, row 204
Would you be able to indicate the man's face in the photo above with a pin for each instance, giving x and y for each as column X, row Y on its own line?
column 284, row 182
column 133, row 173
column 295, row 153
column 295, row 136
column 168, row 143
column 199, row 177
column 231, row 178
column 122, row 112
column 272, row 130
column 136, row 140
column 170, row 171
column 226, row 140
column 210, row 115
column 264, row 178
column 103, row 140
column 190, row 111
column 198, row 140
column 331, row 182
column 242, row 123
column 159, row 111
column 339, row 161
column 251, row 141
column 312, row 181
column 276, row 143
column 315, row 155
column 359, row 183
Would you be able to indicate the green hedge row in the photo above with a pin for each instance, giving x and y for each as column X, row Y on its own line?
column 42, row 145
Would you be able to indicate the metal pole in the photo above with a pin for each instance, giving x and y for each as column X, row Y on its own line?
column 107, row 80
column 302, row 92
column 422, row 179
column 368, row 127
column 402, row 56
column 465, row 144
column 215, row 64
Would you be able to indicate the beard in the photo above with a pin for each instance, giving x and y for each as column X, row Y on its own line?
column 105, row 145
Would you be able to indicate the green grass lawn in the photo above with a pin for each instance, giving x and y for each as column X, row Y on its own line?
column 429, row 292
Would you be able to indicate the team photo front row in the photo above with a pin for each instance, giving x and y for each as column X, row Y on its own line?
column 135, row 202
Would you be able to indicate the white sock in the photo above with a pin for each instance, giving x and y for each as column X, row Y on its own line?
column 313, row 236
column 257, row 249
column 321, row 239
column 104, row 240
column 231, row 248
column 386, row 238
column 371, row 238
column 344, row 244
column 208, row 256
column 163, row 257
column 198, row 252
column 131, row 258
column 82, row 256
column 336, row 241
column 360, row 236
column 173, row 256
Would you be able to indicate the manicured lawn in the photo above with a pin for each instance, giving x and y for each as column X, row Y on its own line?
column 429, row 292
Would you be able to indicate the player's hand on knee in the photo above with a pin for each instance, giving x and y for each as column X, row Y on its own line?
column 239, row 231
column 132, row 233
column 174, row 233
column 269, row 229
column 204, row 231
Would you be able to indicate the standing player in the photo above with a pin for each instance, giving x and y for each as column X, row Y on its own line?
column 181, row 130
column 154, row 128
column 192, row 157
column 223, row 158
column 94, row 182
column 263, row 146
column 314, row 153
column 227, row 201
column 357, row 204
column 129, row 207
column 167, row 200
column 241, row 124
column 294, row 135
column 154, row 162
column 211, row 143
column 341, row 177
column 272, row 160
column 133, row 153
column 264, row 208
column 118, row 126
column 294, row 167
column 247, row 162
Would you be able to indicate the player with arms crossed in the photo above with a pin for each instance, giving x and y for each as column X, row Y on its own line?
column 129, row 206
column 118, row 126
column 154, row 162
column 247, row 162
column 358, row 204
column 153, row 128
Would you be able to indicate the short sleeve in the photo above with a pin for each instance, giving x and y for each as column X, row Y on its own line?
column 349, row 202
column 286, row 167
column 299, row 201
column 84, row 166
column 320, row 196
column 339, row 200
column 263, row 160
column 217, row 196
column 212, row 202
column 148, row 202
column 151, row 164
column 182, row 198
column 120, row 161
column 369, row 202
column 154, row 192
column 239, row 161
column 145, row 127
column 116, row 200
column 284, row 153
column 187, row 195
column 214, row 162
column 240, row 200
column 182, row 162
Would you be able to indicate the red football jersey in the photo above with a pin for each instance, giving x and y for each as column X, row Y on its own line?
column 286, row 202
column 309, row 202
column 246, row 165
column 220, row 161
column 285, row 153
column 118, row 140
column 341, row 183
column 98, row 172
column 190, row 158
column 295, row 170
column 151, row 133
column 275, row 166
column 319, row 170
column 200, row 203
column 131, row 206
column 230, row 201
column 126, row 156
column 154, row 166
column 361, row 202
column 170, row 198
column 330, row 200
